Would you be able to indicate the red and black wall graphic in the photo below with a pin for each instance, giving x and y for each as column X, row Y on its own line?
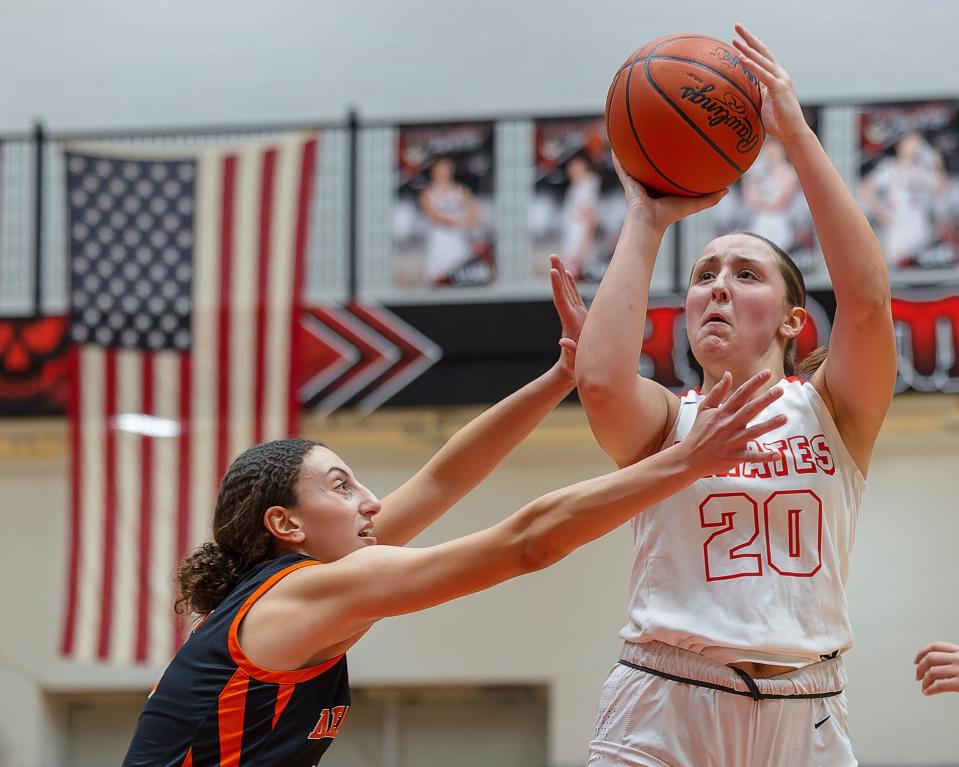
column 33, row 365
column 363, row 356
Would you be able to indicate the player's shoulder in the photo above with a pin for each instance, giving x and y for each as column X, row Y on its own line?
column 312, row 579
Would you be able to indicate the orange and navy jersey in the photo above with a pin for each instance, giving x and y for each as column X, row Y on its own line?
column 213, row 707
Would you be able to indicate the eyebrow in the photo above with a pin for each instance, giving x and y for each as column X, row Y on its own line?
column 337, row 468
column 737, row 259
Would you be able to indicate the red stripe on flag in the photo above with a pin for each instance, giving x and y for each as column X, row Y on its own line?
column 182, row 534
column 307, row 167
column 262, row 296
column 144, row 603
column 225, row 300
column 109, row 502
column 76, row 482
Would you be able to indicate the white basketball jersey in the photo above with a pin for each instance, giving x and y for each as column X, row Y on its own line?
column 752, row 566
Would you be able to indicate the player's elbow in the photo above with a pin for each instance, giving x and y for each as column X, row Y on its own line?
column 598, row 389
column 871, row 310
column 539, row 541
column 538, row 553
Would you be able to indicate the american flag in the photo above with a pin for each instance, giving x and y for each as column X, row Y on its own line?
column 186, row 274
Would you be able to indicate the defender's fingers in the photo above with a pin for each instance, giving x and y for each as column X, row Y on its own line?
column 572, row 292
column 718, row 392
column 569, row 317
column 759, row 403
column 746, row 391
column 556, row 284
column 556, row 263
column 557, row 281
column 760, row 456
column 765, row 427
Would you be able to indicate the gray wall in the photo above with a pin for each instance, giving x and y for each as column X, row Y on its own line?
column 554, row 629
column 104, row 64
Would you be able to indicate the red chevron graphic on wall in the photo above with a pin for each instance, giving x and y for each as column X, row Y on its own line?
column 359, row 354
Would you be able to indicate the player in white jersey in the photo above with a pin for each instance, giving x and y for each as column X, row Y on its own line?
column 904, row 193
column 737, row 616
column 580, row 215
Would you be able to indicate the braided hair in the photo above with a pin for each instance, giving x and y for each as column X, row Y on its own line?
column 260, row 477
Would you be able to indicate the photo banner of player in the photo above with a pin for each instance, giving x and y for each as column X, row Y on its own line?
column 443, row 210
column 768, row 200
column 577, row 207
column 909, row 186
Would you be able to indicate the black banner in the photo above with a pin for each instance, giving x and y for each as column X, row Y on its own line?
column 480, row 353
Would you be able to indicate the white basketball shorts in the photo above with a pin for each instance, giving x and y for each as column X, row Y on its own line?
column 665, row 707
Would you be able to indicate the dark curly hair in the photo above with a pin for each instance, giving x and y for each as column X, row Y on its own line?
column 263, row 476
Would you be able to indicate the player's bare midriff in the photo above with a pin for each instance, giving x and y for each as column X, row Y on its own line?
column 762, row 670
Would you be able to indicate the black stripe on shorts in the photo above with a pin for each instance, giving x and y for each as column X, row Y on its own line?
column 753, row 692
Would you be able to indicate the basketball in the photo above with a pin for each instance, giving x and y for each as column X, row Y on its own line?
column 683, row 115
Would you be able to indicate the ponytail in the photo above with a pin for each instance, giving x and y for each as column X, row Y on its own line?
column 811, row 363
column 210, row 573
column 204, row 578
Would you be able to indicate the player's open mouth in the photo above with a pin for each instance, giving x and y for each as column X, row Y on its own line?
column 716, row 317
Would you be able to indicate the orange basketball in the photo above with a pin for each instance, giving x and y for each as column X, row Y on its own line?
column 683, row 115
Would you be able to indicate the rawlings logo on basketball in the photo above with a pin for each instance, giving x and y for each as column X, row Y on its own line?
column 735, row 103
column 721, row 114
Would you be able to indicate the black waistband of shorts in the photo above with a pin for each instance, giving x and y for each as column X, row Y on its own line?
column 753, row 692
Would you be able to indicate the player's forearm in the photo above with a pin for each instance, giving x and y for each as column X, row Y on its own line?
column 856, row 266
column 538, row 535
column 468, row 458
column 612, row 338
column 556, row 524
